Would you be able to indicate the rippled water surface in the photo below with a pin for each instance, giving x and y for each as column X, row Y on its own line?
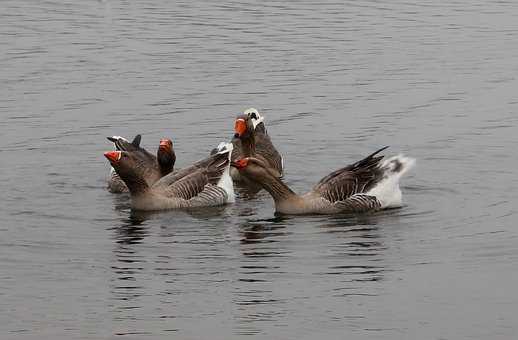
column 436, row 80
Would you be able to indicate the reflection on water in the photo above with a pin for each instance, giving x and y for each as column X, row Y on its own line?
column 348, row 259
column 126, row 287
column 260, row 231
column 262, row 244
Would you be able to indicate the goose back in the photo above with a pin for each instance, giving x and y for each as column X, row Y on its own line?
column 353, row 179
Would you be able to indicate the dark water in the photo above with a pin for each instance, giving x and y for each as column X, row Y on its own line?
column 335, row 80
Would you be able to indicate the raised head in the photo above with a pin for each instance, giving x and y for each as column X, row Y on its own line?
column 123, row 144
column 246, row 123
column 166, row 144
column 243, row 127
column 166, row 156
column 254, row 117
column 129, row 168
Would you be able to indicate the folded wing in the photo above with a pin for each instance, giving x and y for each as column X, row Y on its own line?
column 353, row 179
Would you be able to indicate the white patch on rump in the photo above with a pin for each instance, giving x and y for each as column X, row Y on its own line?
column 387, row 191
column 225, row 182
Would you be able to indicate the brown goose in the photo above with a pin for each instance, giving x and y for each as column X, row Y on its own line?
column 252, row 140
column 368, row 185
column 206, row 183
column 152, row 167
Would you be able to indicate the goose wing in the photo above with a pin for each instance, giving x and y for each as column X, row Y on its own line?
column 265, row 147
column 351, row 182
column 179, row 174
column 115, row 184
column 237, row 150
column 198, row 184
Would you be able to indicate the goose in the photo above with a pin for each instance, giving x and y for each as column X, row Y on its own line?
column 367, row 185
column 152, row 167
column 252, row 140
column 205, row 183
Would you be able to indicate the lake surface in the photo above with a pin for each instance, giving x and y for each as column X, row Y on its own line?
column 335, row 80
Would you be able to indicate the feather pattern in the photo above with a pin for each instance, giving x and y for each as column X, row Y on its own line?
column 358, row 203
column 192, row 184
column 352, row 179
column 146, row 163
column 367, row 185
column 256, row 143
column 206, row 183
column 265, row 147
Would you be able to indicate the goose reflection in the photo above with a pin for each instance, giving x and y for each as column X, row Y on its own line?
column 127, row 267
column 262, row 231
column 344, row 256
column 137, row 217
column 356, row 254
column 255, row 298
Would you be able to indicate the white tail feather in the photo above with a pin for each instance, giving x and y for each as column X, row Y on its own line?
column 387, row 191
column 225, row 181
column 225, row 147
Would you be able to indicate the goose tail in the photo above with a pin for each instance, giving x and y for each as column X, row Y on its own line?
column 387, row 191
column 225, row 181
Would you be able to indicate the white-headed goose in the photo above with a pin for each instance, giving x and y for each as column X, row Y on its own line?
column 151, row 167
column 368, row 185
column 252, row 140
column 205, row 183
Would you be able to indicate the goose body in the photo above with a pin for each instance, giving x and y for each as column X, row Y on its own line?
column 367, row 185
column 252, row 140
column 205, row 183
column 152, row 167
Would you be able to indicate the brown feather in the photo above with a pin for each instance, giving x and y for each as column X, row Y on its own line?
column 352, row 179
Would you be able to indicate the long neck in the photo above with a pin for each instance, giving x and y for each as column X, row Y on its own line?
column 260, row 128
column 248, row 145
column 276, row 187
column 165, row 161
column 136, row 184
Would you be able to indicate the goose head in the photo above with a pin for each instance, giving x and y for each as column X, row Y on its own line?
column 255, row 169
column 243, row 127
column 128, row 167
column 166, row 156
column 123, row 144
column 254, row 117
column 248, row 122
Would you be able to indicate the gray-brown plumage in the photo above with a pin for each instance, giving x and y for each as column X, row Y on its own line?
column 151, row 167
column 367, row 185
column 252, row 140
column 208, row 183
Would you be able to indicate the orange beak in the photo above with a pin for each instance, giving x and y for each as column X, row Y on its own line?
column 240, row 127
column 240, row 163
column 113, row 156
column 165, row 144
